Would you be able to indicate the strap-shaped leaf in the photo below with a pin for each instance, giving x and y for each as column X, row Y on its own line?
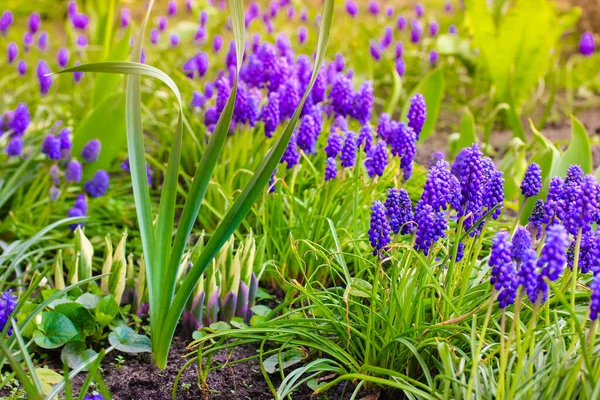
column 252, row 191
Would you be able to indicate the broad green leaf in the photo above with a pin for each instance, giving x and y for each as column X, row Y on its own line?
column 288, row 358
column 127, row 341
column 106, row 310
column 432, row 87
column 107, row 84
column 88, row 300
column 579, row 151
column 81, row 318
column 54, row 330
column 107, row 124
column 261, row 310
column 220, row 326
column 75, row 354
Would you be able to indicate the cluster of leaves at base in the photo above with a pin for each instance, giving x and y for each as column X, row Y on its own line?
column 75, row 324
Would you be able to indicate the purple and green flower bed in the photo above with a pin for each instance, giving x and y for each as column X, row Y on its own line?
column 269, row 200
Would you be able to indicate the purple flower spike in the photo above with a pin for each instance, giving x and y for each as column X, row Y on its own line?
column 365, row 137
column 342, row 95
column 154, row 35
column 81, row 41
column 6, row 21
column 493, row 191
column 532, row 182
column 363, row 103
column 307, row 134
column 377, row 159
column 334, row 145
column 98, row 185
column 388, row 37
column 399, row 211
column 43, row 41
column 330, row 168
column 375, row 50
column 172, row 8
column 419, row 10
column 20, row 119
column 291, row 156
column 217, row 43
column 81, row 203
column 399, row 50
column 62, row 57
column 400, row 66
column 162, row 23
column 348, row 154
column 27, row 40
column 417, row 113
column 302, row 34
column 452, row 30
column 401, row 23
column 34, row 22
column 8, row 302
column 434, row 28
column 504, row 277
column 552, row 258
column 379, row 234
column 91, row 151
column 586, row 44
column 13, row 51
column 373, row 7
column 203, row 18
column 431, row 226
column 78, row 75
column 470, row 175
column 351, row 8
column 51, row 147
column 270, row 114
column 73, row 171
column 433, row 57
column 595, row 298
column 54, row 174
column 75, row 212
column 22, row 67
column 15, row 146
column 174, row 40
column 125, row 17
column 448, row 7
column 44, row 79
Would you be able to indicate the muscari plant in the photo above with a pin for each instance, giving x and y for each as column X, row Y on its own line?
column 162, row 252
column 500, row 314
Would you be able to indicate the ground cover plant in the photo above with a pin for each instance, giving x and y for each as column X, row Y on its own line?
column 349, row 199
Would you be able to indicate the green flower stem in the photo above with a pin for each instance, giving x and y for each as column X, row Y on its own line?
column 470, row 263
column 480, row 346
column 504, row 349
column 449, row 276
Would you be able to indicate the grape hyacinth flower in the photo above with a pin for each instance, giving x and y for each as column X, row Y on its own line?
column 552, row 259
column 417, row 113
column 430, row 226
column 384, row 127
column 91, row 151
column 307, row 134
column 43, row 41
column 65, row 139
column 54, row 174
column 77, row 75
column 365, row 137
column 54, row 193
column 330, row 168
column 15, row 146
column 73, row 171
column 51, row 147
column 584, row 208
column 174, row 40
column 154, row 35
column 398, row 208
column 373, row 7
column 172, row 8
column 595, row 298
column 62, row 57
column 586, row 44
column 434, row 28
column 81, row 203
column 291, row 155
column 12, row 52
column 532, row 182
column 348, row 155
column 81, row 41
column 351, row 8
column 403, row 145
column 400, row 66
column 503, row 277
column 388, row 37
column 98, row 185
column 433, row 57
column 401, row 23
column 162, row 23
column 270, row 114
column 44, row 79
column 377, row 159
column 363, row 102
column 419, row 10
column 34, row 22
column 302, row 34
column 6, row 21
column 493, row 191
column 452, row 30
column 379, row 234
column 471, row 176
column 554, row 205
column 527, row 274
column 8, row 302
column 334, row 144
column 342, row 95
column 22, row 67
column 536, row 219
column 125, row 18
column 20, row 119
column 586, row 253
column 521, row 242
column 375, row 50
